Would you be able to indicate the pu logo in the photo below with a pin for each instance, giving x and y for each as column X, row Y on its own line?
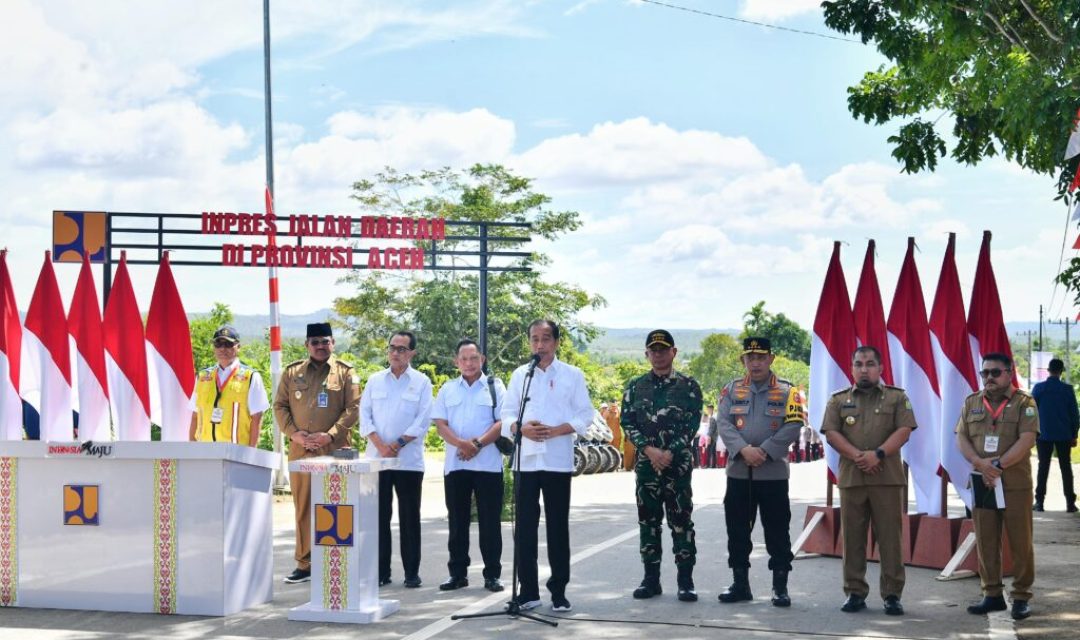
column 76, row 233
column 334, row 525
column 81, row 504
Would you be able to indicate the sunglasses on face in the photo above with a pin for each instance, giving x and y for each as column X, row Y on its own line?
column 396, row 349
column 993, row 373
column 319, row 342
column 223, row 344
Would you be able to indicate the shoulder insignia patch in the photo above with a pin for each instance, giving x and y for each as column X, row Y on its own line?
column 1029, row 412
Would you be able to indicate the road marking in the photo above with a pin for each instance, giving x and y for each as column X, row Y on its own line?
column 445, row 623
column 1001, row 626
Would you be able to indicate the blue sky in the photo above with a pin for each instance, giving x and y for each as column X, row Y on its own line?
column 713, row 162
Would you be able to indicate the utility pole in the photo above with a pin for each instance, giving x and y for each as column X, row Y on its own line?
column 1029, row 333
column 1068, row 345
column 1042, row 347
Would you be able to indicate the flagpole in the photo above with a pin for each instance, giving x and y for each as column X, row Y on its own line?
column 281, row 477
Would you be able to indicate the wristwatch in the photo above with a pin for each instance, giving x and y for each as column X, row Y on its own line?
column 997, row 463
column 479, row 445
column 880, row 453
column 401, row 442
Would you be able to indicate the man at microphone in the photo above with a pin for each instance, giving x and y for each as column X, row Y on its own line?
column 557, row 406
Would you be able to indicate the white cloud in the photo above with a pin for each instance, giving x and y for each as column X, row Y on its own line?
column 637, row 151
column 778, row 10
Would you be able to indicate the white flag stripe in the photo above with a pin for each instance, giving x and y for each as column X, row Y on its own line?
column 11, row 424
column 176, row 406
column 93, row 405
column 921, row 450
column 130, row 418
column 954, row 388
column 828, row 377
column 48, row 389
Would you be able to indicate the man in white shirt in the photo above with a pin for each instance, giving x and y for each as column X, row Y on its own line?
column 557, row 408
column 466, row 414
column 395, row 412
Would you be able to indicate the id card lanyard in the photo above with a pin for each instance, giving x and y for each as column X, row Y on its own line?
column 995, row 413
column 217, row 414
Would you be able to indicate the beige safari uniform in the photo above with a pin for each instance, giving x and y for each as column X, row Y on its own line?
column 1020, row 415
column 867, row 417
column 296, row 408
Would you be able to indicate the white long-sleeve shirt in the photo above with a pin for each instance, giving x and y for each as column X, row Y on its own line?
column 395, row 407
column 468, row 411
column 556, row 396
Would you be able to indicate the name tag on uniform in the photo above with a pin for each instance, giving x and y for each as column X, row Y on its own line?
column 324, row 399
column 990, row 444
column 217, row 415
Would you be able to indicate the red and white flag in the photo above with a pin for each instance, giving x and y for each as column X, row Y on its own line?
column 46, row 358
column 869, row 314
column 985, row 324
column 125, row 359
column 1072, row 149
column 952, row 359
column 88, row 351
column 913, row 369
column 831, row 347
column 172, row 367
column 11, row 417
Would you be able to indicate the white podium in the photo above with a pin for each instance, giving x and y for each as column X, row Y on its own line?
column 145, row 527
column 344, row 541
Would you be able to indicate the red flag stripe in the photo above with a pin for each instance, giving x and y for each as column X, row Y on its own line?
column 167, row 327
column 10, row 325
column 46, row 319
column 985, row 322
column 907, row 318
column 869, row 313
column 84, row 324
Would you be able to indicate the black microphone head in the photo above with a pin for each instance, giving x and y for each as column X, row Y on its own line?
column 535, row 359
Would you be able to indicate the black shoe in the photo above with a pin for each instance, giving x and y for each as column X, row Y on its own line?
column 687, row 593
column 450, row 584
column 893, row 606
column 1071, row 508
column 988, row 604
column 493, row 585
column 853, row 603
column 1038, row 506
column 650, row 584
column 1020, row 609
column 298, row 576
column 413, row 582
column 739, row 590
column 559, row 604
column 384, row 581
column 780, row 597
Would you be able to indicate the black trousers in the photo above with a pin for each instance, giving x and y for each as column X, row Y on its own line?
column 555, row 488
column 742, row 503
column 1046, row 449
column 407, row 485
column 460, row 488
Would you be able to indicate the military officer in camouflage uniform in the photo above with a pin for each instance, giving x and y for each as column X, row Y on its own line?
column 758, row 418
column 660, row 415
column 317, row 406
column 867, row 424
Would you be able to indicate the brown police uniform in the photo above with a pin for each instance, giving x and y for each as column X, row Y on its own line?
column 866, row 418
column 978, row 426
column 298, row 407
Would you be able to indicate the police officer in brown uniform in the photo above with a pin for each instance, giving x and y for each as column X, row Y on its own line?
column 317, row 407
column 867, row 424
column 995, row 433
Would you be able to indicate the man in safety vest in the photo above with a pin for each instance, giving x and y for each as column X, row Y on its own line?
column 229, row 397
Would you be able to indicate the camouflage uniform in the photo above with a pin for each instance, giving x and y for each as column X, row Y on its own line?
column 664, row 412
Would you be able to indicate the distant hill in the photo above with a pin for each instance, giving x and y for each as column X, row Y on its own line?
column 614, row 343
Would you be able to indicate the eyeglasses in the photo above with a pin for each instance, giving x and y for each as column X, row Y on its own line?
column 396, row 349
column 320, row 342
column 993, row 373
column 223, row 344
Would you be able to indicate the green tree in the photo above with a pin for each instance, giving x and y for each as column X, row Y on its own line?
column 1007, row 74
column 787, row 337
column 443, row 306
column 718, row 364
